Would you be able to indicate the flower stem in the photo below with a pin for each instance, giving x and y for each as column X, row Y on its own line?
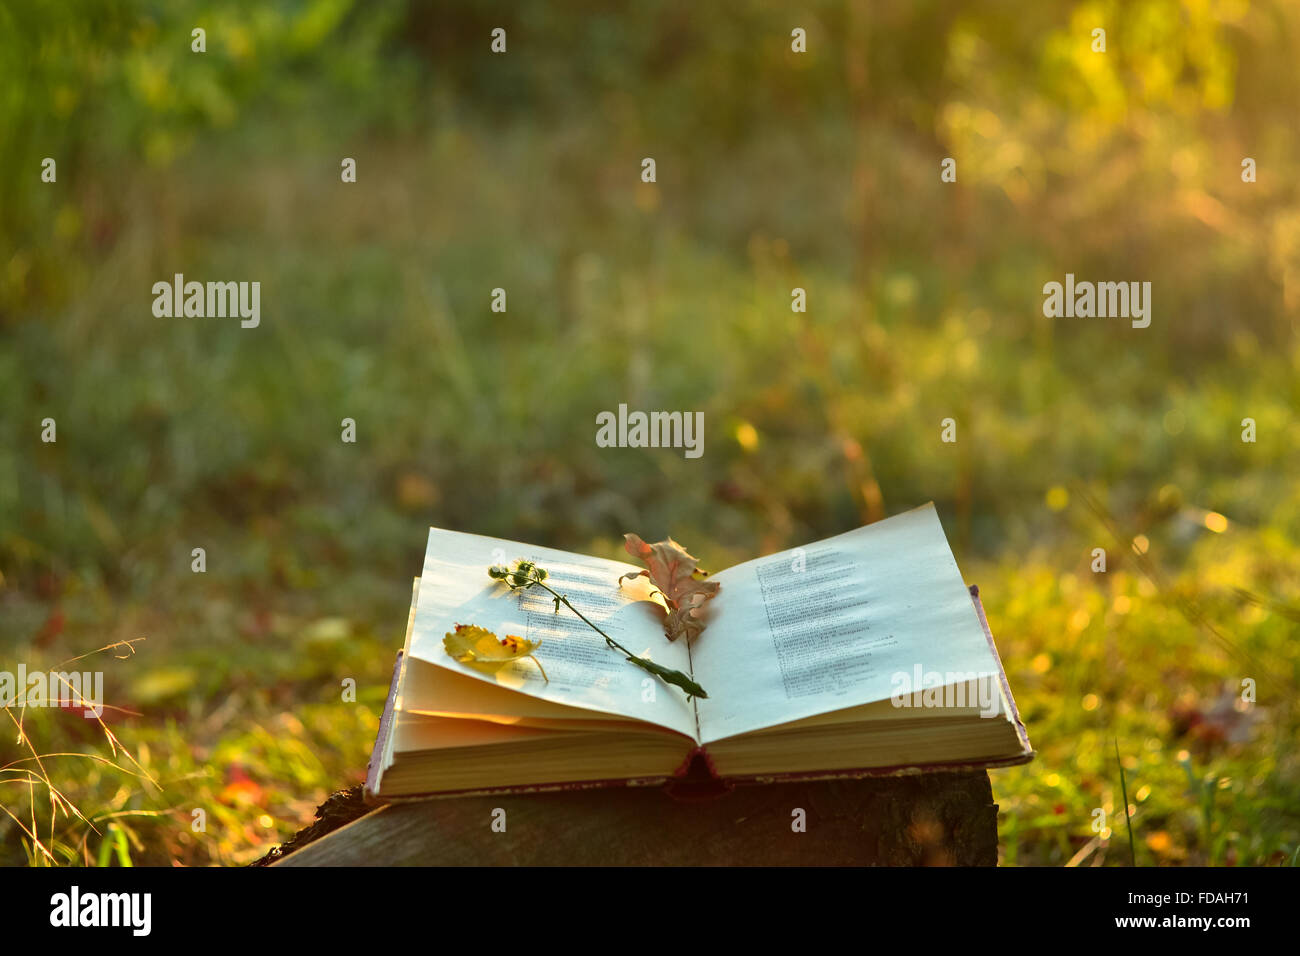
column 565, row 601
column 665, row 674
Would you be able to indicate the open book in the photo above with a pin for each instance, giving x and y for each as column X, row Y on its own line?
column 863, row 653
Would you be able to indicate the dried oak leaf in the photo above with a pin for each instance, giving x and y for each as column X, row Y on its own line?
column 480, row 648
column 678, row 577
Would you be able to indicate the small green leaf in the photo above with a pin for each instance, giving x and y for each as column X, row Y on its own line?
column 669, row 676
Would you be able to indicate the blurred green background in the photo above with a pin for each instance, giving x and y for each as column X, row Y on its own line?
column 522, row 171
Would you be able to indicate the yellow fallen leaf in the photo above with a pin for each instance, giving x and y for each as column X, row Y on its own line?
column 479, row 647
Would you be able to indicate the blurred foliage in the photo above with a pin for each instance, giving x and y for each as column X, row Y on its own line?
column 775, row 170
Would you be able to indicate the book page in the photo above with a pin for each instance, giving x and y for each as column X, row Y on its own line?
column 832, row 625
column 584, row 672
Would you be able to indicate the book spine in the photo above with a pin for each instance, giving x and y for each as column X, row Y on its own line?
column 369, row 792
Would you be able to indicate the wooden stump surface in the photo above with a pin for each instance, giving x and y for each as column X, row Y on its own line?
column 922, row 819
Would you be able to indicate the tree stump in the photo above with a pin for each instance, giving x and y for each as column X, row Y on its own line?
column 920, row 819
